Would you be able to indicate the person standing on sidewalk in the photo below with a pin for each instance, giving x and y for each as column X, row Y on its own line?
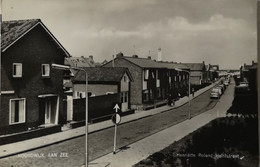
column 169, row 99
column 193, row 91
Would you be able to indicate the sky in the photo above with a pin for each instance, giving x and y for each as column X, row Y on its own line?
column 219, row 32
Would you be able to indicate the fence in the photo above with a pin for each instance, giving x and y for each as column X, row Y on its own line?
column 98, row 106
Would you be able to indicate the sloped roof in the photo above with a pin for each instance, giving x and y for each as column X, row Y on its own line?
column 12, row 31
column 195, row 66
column 247, row 67
column 143, row 62
column 148, row 63
column 214, row 67
column 170, row 65
column 102, row 74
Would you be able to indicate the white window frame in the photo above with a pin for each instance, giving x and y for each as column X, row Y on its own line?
column 46, row 75
column 146, row 74
column 10, row 111
column 21, row 68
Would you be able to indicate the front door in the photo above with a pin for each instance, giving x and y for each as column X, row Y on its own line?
column 124, row 101
column 48, row 112
column 51, row 106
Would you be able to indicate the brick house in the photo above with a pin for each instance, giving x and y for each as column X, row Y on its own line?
column 153, row 81
column 107, row 85
column 248, row 73
column 212, row 72
column 198, row 73
column 31, row 91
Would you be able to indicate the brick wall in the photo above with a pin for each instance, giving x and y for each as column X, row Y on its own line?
column 32, row 50
column 95, row 109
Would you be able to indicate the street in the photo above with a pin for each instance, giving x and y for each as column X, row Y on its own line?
column 101, row 143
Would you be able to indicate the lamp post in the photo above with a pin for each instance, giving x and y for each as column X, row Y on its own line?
column 189, row 90
column 63, row 67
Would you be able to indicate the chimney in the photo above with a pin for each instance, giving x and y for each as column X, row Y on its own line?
column 253, row 62
column 113, row 61
column 149, row 57
column 91, row 57
column 159, row 58
column 120, row 54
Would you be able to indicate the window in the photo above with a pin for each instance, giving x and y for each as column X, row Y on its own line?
column 125, row 79
column 17, row 70
column 124, row 97
column 145, row 95
column 45, row 70
column 80, row 95
column 146, row 74
column 158, row 92
column 17, row 111
column 153, row 76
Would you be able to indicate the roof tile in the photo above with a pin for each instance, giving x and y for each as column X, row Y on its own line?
column 12, row 30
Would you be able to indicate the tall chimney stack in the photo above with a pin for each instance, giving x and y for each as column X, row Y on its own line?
column 159, row 58
column 113, row 61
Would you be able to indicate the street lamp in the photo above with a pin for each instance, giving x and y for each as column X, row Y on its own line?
column 63, row 67
column 177, row 69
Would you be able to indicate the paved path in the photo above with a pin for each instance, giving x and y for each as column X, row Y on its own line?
column 147, row 146
column 27, row 145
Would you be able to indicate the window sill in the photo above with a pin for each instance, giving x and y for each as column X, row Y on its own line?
column 16, row 123
column 46, row 77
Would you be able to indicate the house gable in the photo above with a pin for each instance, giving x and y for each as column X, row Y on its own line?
column 13, row 31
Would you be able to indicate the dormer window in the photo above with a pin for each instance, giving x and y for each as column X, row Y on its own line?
column 45, row 70
column 17, row 70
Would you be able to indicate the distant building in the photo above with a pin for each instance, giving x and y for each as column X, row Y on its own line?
column 83, row 62
column 248, row 73
column 80, row 61
column 31, row 91
column 197, row 72
column 153, row 81
column 106, row 87
column 103, row 81
column 212, row 72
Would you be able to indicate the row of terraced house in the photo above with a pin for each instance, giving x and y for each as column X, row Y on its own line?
column 34, row 96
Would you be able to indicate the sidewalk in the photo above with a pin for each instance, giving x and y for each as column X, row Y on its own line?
column 154, row 143
column 27, row 145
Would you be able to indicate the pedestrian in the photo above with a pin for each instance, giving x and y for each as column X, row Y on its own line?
column 169, row 100
column 193, row 91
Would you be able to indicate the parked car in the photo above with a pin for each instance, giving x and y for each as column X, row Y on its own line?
column 222, row 86
column 215, row 93
column 243, row 84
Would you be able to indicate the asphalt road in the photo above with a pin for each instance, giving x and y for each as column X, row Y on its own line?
column 72, row 152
